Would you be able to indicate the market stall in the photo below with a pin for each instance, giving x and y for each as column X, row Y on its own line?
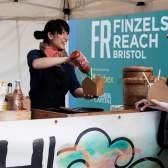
column 70, row 138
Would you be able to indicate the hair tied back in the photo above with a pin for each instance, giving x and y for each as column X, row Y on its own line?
column 39, row 35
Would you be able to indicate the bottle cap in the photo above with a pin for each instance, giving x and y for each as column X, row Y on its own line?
column 75, row 54
column 9, row 84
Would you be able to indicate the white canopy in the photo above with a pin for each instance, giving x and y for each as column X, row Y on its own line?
column 47, row 9
column 20, row 18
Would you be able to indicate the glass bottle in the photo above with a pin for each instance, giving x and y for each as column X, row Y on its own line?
column 9, row 91
column 18, row 96
column 9, row 97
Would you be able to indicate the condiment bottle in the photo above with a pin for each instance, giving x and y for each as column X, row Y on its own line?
column 9, row 97
column 18, row 96
column 78, row 60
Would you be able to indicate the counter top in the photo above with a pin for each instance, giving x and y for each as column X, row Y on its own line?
column 15, row 115
column 40, row 114
column 43, row 114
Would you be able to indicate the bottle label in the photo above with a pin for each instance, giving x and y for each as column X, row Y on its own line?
column 18, row 104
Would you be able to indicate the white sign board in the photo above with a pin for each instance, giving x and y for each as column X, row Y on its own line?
column 102, row 141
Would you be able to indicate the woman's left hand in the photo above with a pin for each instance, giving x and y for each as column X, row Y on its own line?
column 79, row 93
column 90, row 97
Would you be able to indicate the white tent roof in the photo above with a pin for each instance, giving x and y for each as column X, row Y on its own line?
column 47, row 9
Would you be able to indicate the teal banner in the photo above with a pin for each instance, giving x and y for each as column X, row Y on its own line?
column 112, row 43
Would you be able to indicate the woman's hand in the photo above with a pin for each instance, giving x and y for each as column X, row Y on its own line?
column 79, row 93
column 143, row 104
column 78, row 59
column 90, row 97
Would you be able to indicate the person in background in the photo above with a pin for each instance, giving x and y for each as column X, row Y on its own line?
column 145, row 104
column 52, row 74
column 162, row 135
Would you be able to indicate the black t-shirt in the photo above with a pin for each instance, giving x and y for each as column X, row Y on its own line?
column 49, row 86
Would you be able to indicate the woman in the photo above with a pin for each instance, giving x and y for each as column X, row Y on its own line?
column 51, row 74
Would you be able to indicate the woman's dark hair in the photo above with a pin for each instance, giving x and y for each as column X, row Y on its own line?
column 52, row 26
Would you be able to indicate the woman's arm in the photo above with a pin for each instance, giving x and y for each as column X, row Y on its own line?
column 143, row 104
column 46, row 62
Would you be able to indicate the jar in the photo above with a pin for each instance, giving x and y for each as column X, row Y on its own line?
column 78, row 60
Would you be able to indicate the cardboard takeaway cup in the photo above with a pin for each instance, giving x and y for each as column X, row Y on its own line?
column 93, row 87
column 158, row 90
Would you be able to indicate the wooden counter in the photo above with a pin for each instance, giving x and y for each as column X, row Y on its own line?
column 44, row 114
column 41, row 114
column 15, row 115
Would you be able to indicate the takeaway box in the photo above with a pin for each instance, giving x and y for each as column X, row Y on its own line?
column 94, row 86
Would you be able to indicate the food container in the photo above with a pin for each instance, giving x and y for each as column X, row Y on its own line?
column 134, row 90
column 137, row 71
column 93, row 87
column 135, row 86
